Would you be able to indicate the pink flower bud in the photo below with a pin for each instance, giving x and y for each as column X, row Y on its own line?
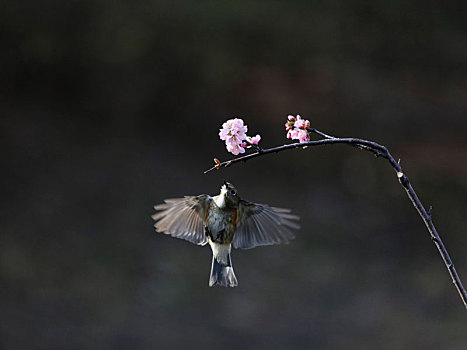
column 255, row 139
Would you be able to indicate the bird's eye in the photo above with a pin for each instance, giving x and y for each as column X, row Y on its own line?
column 233, row 192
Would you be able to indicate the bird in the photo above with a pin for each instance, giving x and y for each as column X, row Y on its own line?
column 224, row 221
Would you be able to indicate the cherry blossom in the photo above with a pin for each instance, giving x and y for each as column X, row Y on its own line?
column 233, row 132
column 297, row 128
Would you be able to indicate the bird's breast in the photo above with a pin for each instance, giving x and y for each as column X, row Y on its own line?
column 221, row 225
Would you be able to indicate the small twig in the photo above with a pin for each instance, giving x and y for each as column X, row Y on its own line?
column 316, row 131
column 379, row 151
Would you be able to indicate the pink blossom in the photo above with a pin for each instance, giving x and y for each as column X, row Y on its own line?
column 233, row 132
column 303, row 136
column 292, row 134
column 297, row 128
column 300, row 123
column 233, row 128
column 235, row 149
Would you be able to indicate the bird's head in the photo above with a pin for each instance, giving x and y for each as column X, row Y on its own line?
column 230, row 194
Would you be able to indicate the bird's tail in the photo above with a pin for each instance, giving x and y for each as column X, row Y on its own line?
column 222, row 273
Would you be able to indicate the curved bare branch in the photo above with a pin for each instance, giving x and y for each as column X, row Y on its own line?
column 379, row 151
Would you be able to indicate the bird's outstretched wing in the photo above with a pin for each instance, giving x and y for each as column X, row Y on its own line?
column 260, row 224
column 183, row 217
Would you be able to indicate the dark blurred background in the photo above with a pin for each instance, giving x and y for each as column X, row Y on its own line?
column 108, row 107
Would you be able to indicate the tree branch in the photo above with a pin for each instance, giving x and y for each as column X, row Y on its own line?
column 379, row 151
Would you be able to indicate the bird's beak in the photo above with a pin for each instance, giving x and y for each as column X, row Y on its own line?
column 225, row 183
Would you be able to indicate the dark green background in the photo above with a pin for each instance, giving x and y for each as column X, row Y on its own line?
column 108, row 107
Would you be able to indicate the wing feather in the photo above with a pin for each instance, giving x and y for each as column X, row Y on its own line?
column 260, row 224
column 183, row 217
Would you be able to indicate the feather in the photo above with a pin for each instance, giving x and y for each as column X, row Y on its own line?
column 260, row 224
column 183, row 217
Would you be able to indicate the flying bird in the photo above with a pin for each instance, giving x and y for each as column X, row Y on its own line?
column 224, row 221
